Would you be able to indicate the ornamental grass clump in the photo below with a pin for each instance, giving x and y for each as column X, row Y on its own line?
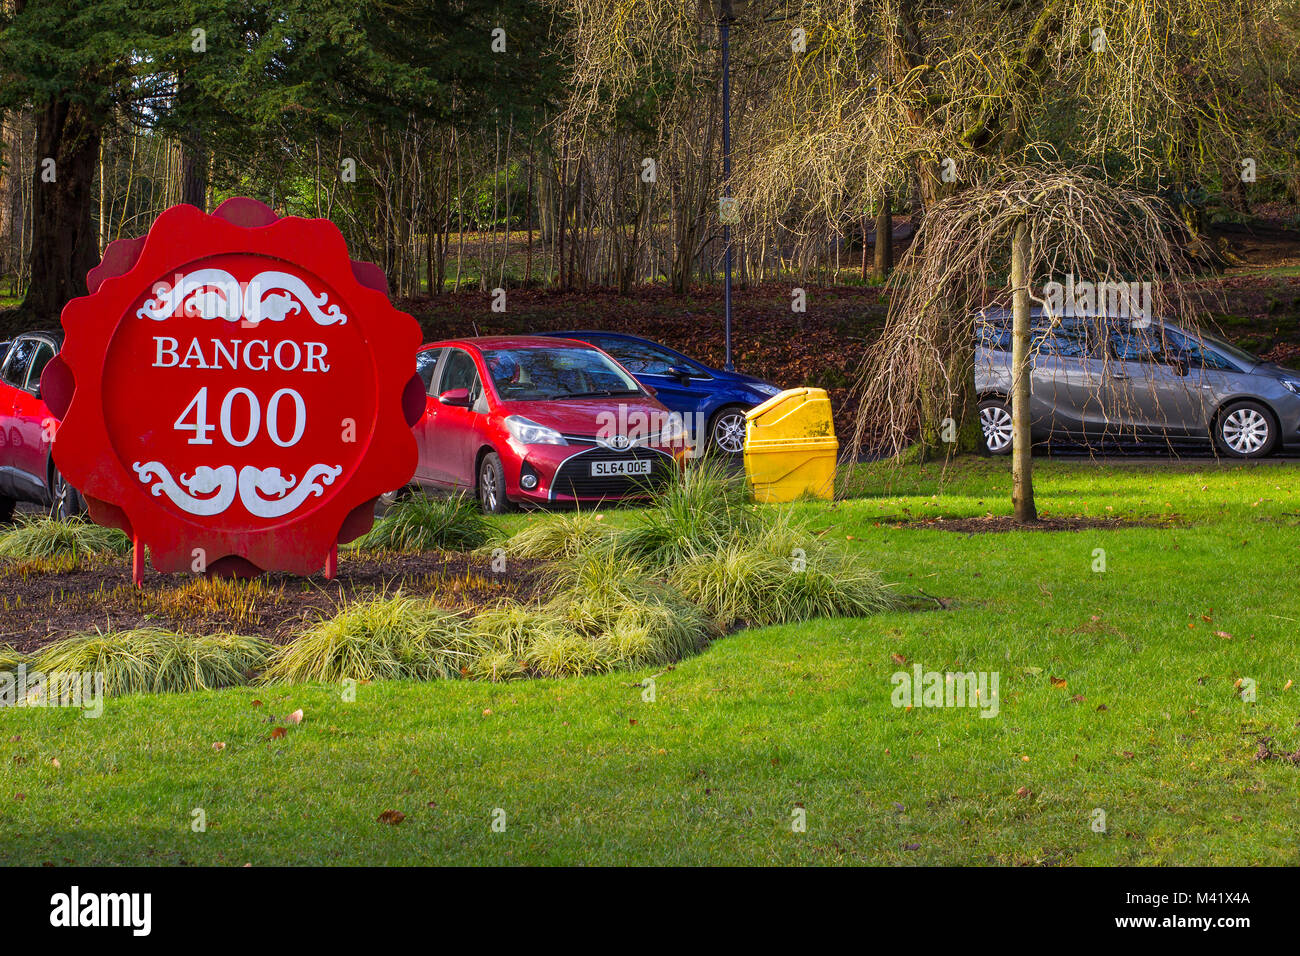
column 698, row 510
column 44, row 537
column 155, row 661
column 634, row 618
column 424, row 523
column 10, row 659
column 391, row 638
column 505, row 637
column 604, row 615
column 560, row 536
column 785, row 575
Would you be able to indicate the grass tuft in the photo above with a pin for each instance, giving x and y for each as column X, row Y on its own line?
column 235, row 600
column 605, row 615
column 10, row 659
column 785, row 576
column 634, row 619
column 45, row 538
column 394, row 638
column 560, row 536
column 505, row 636
column 696, row 511
column 152, row 661
column 424, row 523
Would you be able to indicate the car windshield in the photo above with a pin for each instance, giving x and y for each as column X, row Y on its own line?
column 533, row 374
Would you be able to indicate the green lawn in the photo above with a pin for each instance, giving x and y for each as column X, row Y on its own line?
column 771, row 720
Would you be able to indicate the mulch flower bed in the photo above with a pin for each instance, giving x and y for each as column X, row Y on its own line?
column 40, row 604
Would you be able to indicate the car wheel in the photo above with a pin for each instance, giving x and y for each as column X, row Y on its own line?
column 727, row 431
column 1245, row 430
column 67, row 502
column 492, row 485
column 995, row 423
column 390, row 498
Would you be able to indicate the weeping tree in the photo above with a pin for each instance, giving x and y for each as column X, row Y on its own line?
column 1086, row 251
column 885, row 95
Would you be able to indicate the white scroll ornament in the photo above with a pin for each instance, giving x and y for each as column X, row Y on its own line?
column 216, row 294
column 264, row 492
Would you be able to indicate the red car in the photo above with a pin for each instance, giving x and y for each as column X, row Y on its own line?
column 27, row 469
column 526, row 419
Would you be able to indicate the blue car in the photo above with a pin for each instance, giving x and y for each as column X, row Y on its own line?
column 712, row 402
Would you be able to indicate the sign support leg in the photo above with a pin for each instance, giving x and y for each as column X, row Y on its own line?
column 137, row 561
column 332, row 563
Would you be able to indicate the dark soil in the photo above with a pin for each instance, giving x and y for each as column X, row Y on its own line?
column 39, row 605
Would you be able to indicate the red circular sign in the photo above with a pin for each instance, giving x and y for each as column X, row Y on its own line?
column 240, row 397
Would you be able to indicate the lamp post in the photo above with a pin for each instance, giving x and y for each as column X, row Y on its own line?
column 725, row 213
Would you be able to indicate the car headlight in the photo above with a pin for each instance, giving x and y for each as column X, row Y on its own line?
column 528, row 432
column 1291, row 385
column 764, row 389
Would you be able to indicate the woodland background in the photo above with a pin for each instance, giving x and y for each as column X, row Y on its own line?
column 570, row 151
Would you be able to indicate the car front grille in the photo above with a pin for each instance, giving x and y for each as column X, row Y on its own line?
column 573, row 478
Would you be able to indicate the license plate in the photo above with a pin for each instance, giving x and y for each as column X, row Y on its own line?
column 627, row 466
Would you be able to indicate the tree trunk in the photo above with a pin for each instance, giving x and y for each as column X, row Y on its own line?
column 1022, row 463
column 11, row 209
column 884, row 251
column 64, row 244
column 194, row 175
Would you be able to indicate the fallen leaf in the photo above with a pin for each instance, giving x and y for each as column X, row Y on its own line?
column 295, row 717
column 911, row 846
column 257, row 703
column 55, row 763
column 1078, row 698
column 898, row 659
column 1223, row 634
column 487, row 711
column 393, row 817
column 218, row 746
column 1057, row 682
column 1024, row 792
column 277, row 733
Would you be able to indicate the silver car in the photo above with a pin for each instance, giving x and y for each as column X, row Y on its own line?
column 1112, row 380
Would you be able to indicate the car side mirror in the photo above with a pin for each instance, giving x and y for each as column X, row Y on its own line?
column 457, row 397
column 680, row 371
